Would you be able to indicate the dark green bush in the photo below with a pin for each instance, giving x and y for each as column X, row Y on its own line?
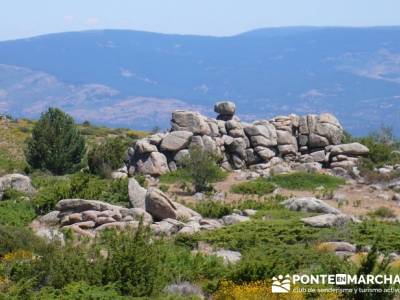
column 56, row 144
column 213, row 209
column 202, row 169
column 258, row 186
column 107, row 156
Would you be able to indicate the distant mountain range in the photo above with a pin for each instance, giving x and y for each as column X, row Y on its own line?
column 135, row 79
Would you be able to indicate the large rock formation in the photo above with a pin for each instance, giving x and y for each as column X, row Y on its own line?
column 313, row 139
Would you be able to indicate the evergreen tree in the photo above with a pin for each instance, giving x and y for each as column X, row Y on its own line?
column 56, row 144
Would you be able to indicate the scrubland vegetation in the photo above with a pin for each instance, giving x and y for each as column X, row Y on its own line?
column 138, row 265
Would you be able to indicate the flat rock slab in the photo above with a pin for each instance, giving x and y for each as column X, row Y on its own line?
column 309, row 204
column 327, row 220
column 229, row 256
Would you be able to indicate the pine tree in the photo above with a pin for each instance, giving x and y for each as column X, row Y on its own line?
column 56, row 144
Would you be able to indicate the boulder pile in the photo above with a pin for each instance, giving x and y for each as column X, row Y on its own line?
column 294, row 140
column 155, row 209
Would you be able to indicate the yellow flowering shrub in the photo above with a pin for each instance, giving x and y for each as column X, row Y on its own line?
column 325, row 247
column 17, row 255
column 395, row 265
column 257, row 290
column 4, row 284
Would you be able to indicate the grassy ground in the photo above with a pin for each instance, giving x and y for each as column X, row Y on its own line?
column 292, row 181
column 306, row 181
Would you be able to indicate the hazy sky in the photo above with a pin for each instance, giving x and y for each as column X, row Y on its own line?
column 22, row 18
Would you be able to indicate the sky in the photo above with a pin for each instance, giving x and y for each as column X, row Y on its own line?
column 24, row 18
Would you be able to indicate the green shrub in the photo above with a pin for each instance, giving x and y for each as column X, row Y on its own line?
column 262, row 263
column 200, row 168
column 141, row 179
column 372, row 265
column 16, row 238
column 16, row 212
column 50, row 191
column 80, row 185
column 179, row 175
column 164, row 188
column 382, row 212
column 90, row 187
column 56, row 144
column 10, row 164
column 266, row 203
column 213, row 209
column 382, row 146
column 379, row 153
column 258, row 186
column 107, row 156
column 79, row 291
column 11, row 194
column 306, row 181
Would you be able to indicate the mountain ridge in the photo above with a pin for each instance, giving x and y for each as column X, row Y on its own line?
column 351, row 72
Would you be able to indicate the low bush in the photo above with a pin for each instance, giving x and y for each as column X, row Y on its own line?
column 16, row 212
column 199, row 168
column 265, row 203
column 259, row 186
column 382, row 212
column 79, row 291
column 176, row 176
column 80, row 185
column 15, row 238
column 213, row 209
column 306, row 181
column 383, row 149
column 106, row 157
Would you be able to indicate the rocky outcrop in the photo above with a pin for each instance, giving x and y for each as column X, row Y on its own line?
column 164, row 217
column 88, row 217
column 18, row 182
column 313, row 139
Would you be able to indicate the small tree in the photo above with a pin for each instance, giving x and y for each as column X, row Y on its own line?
column 107, row 156
column 202, row 169
column 56, row 144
